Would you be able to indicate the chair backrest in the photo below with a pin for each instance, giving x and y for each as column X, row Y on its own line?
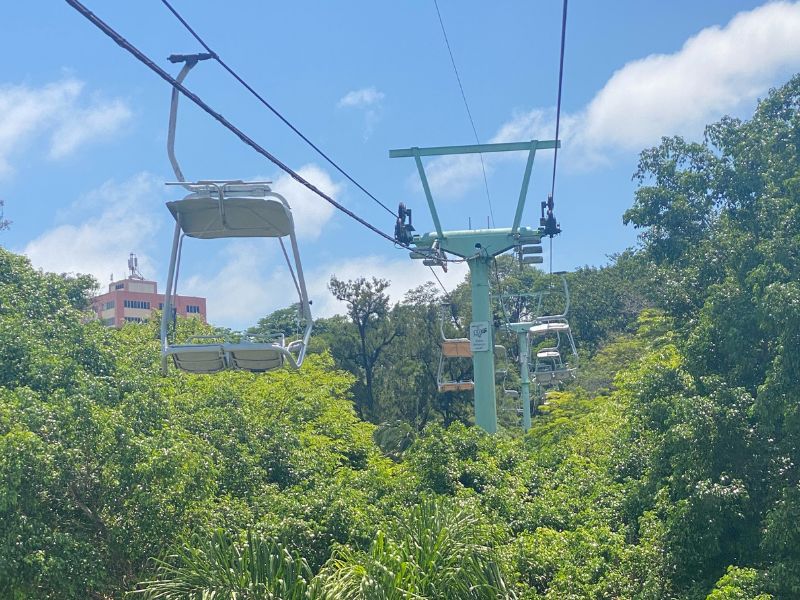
column 456, row 386
column 257, row 358
column 199, row 359
column 456, row 348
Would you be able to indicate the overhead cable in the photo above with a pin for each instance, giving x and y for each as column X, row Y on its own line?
column 466, row 105
column 263, row 101
column 145, row 60
column 444, row 289
column 558, row 101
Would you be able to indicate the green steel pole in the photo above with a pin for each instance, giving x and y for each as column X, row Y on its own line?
column 483, row 358
column 525, row 385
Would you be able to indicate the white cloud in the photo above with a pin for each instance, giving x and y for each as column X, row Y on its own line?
column 361, row 98
column 127, row 222
column 58, row 111
column 718, row 71
column 369, row 99
column 252, row 282
column 253, row 279
column 536, row 124
column 452, row 176
column 98, row 121
column 310, row 212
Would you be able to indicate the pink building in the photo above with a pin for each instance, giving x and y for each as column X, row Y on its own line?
column 134, row 298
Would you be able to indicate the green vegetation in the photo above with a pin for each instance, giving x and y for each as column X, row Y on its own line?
column 668, row 469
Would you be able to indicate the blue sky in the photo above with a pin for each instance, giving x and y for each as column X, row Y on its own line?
column 83, row 125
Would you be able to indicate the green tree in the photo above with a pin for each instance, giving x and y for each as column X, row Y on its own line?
column 368, row 309
column 217, row 566
column 285, row 321
column 4, row 223
column 441, row 550
column 719, row 221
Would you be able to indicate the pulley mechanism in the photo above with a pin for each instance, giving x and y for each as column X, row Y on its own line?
column 402, row 230
column 548, row 225
column 436, row 257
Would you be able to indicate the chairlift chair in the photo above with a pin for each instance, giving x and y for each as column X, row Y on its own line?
column 232, row 209
column 452, row 349
column 557, row 362
column 459, row 348
column 501, row 355
column 550, row 368
column 229, row 209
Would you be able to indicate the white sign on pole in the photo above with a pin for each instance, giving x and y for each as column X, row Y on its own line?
column 479, row 336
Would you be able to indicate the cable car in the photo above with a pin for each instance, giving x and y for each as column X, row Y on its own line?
column 230, row 209
column 452, row 349
column 459, row 348
column 551, row 367
column 550, row 363
column 501, row 356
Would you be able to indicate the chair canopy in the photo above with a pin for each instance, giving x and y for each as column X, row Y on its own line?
column 225, row 210
column 547, row 328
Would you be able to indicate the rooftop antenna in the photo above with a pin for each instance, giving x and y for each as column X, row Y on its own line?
column 133, row 267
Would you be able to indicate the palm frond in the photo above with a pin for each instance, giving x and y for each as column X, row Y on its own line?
column 215, row 567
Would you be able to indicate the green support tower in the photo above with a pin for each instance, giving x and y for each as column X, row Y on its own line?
column 478, row 247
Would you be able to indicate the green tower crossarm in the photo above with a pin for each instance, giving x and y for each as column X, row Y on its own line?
column 473, row 148
column 531, row 146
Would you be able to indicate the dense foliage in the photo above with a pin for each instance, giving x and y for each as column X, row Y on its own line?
column 668, row 469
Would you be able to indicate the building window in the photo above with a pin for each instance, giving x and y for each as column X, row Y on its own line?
column 192, row 308
column 109, row 304
column 160, row 306
column 134, row 319
column 108, row 321
column 137, row 304
column 119, row 286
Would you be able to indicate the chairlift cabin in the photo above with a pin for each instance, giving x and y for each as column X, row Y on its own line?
column 233, row 209
column 554, row 363
column 546, row 348
column 230, row 209
column 501, row 373
column 452, row 350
